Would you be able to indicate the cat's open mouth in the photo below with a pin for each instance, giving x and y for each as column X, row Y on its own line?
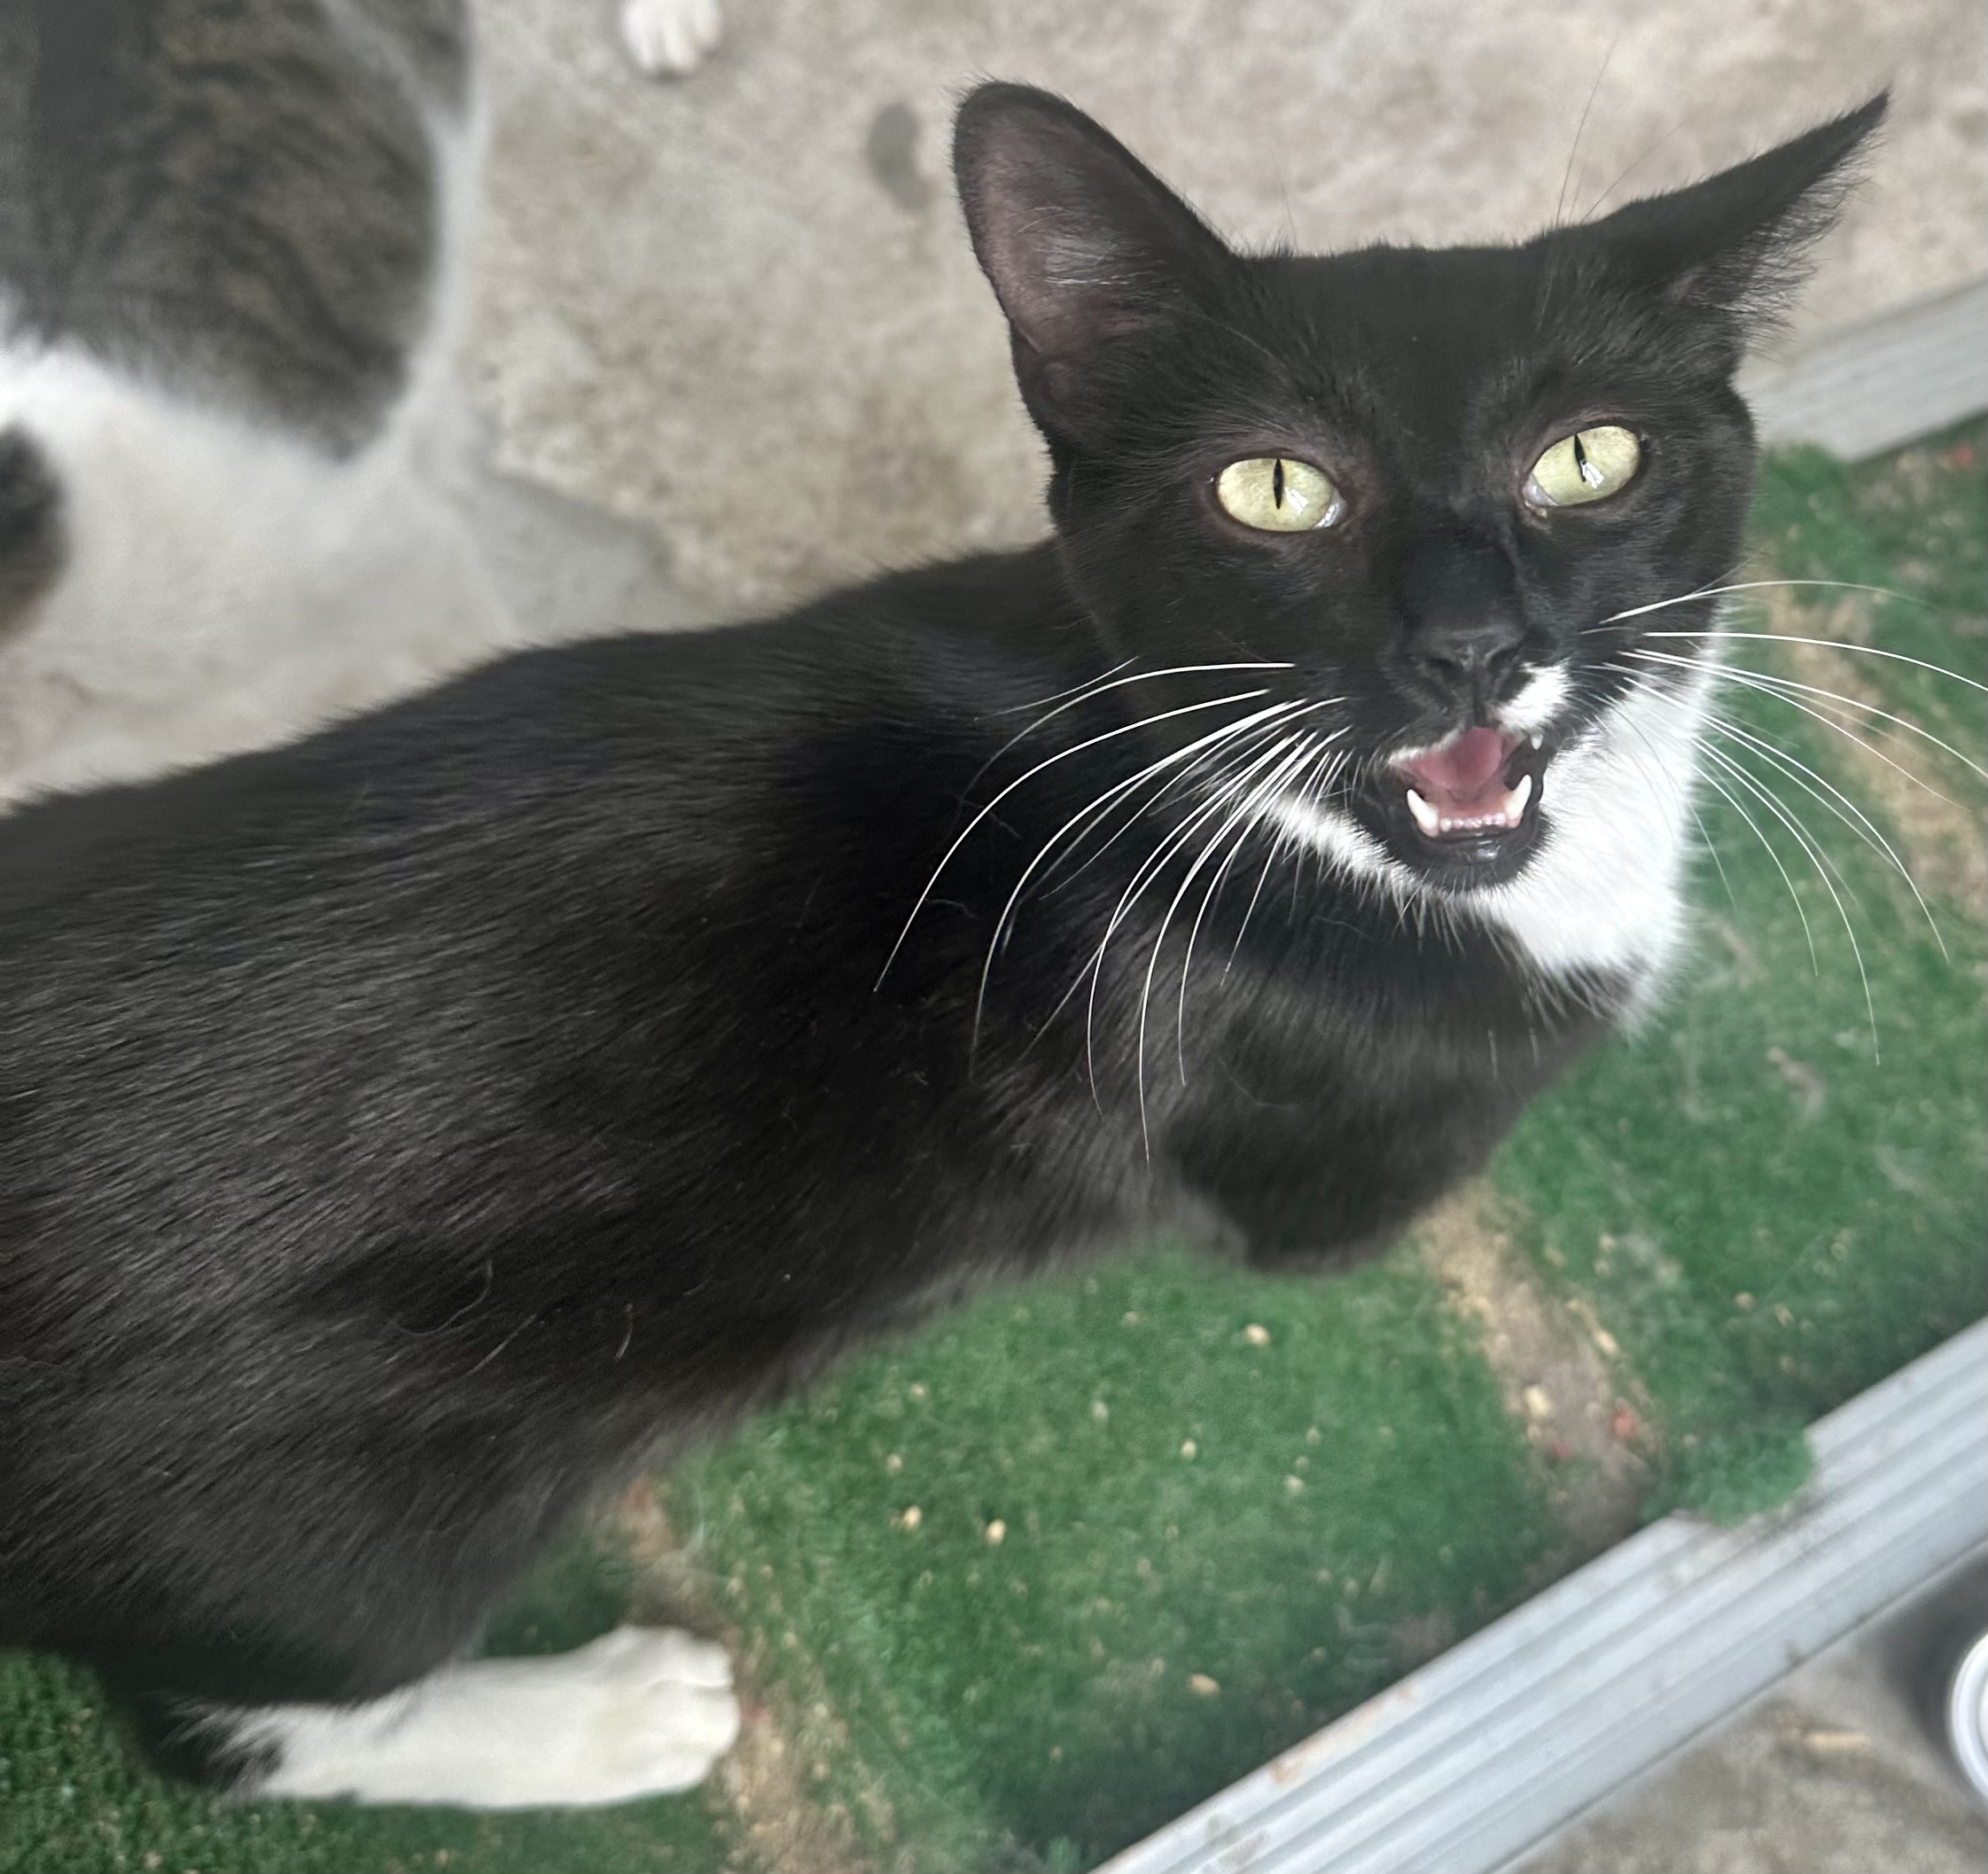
column 1474, row 799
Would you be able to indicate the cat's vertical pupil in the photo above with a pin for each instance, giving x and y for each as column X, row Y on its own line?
column 1277, row 483
column 1588, row 473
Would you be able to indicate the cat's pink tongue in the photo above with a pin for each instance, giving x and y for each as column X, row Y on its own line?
column 1463, row 774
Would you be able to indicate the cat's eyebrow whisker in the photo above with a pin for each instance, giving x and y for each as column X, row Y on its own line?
column 1830, row 644
column 1643, row 156
column 1766, row 683
column 1573, row 155
column 1061, row 754
column 1830, row 795
column 1805, row 841
column 1756, row 585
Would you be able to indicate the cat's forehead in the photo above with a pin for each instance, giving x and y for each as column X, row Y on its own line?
column 1442, row 343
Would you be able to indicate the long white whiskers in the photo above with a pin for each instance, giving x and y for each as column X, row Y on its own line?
column 1061, row 754
column 1250, row 802
column 1769, row 684
column 1148, row 869
column 1228, row 731
column 1805, row 841
column 1754, row 585
column 1828, row 794
column 1828, row 643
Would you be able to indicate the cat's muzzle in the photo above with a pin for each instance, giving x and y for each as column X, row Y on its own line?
column 1467, row 809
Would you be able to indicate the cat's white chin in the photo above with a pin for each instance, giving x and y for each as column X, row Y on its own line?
column 1600, row 891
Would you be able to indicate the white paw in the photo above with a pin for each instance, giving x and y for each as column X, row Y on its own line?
column 669, row 37
column 647, row 1711
column 643, row 1710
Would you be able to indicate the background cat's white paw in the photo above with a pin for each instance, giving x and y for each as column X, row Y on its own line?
column 643, row 1710
column 669, row 37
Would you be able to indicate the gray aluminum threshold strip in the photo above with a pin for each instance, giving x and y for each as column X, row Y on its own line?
column 1485, row 1752
column 1869, row 387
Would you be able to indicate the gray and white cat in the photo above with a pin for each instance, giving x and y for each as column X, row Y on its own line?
column 231, row 263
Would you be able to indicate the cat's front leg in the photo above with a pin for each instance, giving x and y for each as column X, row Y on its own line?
column 1295, row 1193
column 639, row 1712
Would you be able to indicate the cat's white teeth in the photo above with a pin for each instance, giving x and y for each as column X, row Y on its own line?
column 1507, row 817
column 1537, row 738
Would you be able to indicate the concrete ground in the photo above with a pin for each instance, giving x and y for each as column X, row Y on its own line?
column 740, row 311
column 1837, row 1772
column 739, row 316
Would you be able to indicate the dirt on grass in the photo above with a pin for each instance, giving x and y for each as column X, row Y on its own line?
column 777, row 1826
column 1562, row 1374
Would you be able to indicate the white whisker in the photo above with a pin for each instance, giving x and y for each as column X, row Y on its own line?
column 1804, row 840
column 1085, row 688
column 1766, row 683
column 1148, row 869
column 1275, row 712
column 1063, row 754
column 1794, row 897
column 1293, row 760
column 1821, row 790
column 1755, row 585
column 1640, row 679
column 1827, row 643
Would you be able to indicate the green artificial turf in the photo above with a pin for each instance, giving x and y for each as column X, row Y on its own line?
column 1213, row 1539
column 1777, row 1196
column 1230, row 1507
column 71, row 1802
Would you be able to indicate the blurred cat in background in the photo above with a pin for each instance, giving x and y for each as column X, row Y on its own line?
column 232, row 250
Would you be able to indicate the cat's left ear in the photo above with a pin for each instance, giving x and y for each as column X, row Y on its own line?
column 1084, row 246
column 1736, row 244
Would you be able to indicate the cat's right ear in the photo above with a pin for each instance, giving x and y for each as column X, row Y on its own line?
column 1085, row 247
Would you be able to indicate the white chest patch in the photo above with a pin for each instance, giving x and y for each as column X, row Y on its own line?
column 1606, row 890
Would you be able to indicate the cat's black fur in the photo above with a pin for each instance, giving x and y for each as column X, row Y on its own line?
column 401, row 1134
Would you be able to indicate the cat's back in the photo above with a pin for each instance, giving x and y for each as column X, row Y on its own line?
column 656, row 765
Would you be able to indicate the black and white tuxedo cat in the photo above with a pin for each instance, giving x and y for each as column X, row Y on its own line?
column 406, row 1134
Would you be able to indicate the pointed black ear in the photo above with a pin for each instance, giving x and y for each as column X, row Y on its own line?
column 1738, row 242
column 1083, row 243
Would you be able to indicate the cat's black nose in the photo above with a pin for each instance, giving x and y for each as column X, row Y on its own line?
column 1466, row 658
column 1461, row 626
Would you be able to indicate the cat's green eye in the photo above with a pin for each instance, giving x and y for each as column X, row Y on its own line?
column 1278, row 495
column 1589, row 465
